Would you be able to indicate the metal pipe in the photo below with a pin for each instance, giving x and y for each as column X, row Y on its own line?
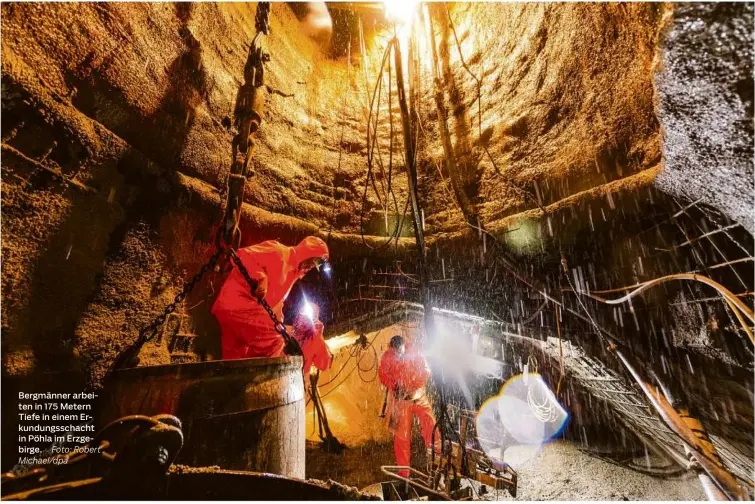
column 712, row 492
column 704, row 452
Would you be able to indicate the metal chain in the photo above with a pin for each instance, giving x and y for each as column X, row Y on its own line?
column 150, row 331
column 262, row 18
column 292, row 346
column 248, row 116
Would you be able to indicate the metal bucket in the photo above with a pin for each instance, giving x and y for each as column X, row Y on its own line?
column 238, row 414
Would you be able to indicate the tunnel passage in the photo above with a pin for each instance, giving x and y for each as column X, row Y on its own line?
column 574, row 132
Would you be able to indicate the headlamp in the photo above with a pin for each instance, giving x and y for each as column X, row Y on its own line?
column 322, row 265
column 308, row 310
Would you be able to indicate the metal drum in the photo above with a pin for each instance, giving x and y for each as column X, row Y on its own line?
column 238, row 414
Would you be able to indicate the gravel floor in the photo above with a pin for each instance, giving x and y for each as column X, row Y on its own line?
column 562, row 472
column 559, row 472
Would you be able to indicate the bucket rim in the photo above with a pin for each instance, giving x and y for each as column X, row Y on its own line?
column 192, row 368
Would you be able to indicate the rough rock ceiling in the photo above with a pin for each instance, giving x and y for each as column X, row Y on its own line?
column 567, row 107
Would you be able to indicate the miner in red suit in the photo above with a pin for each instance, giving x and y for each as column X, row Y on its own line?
column 404, row 373
column 308, row 332
column 246, row 328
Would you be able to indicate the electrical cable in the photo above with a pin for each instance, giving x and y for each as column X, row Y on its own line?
column 544, row 411
column 509, row 266
column 338, row 385
column 479, row 111
column 733, row 301
column 339, row 371
column 746, row 327
column 372, row 145
column 534, row 315
column 373, row 366
column 579, row 301
column 340, row 143
column 677, row 276
column 352, row 354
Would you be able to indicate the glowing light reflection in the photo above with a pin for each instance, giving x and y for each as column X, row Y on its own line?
column 400, row 11
column 308, row 310
column 514, row 424
column 336, row 343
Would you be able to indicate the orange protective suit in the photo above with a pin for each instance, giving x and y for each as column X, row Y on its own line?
column 405, row 377
column 246, row 328
column 308, row 332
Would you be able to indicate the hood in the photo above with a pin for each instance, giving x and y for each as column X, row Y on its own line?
column 310, row 247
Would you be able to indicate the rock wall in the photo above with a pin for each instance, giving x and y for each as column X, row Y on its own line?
column 116, row 146
column 565, row 105
column 705, row 95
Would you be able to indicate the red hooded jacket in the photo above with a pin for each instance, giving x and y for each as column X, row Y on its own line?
column 247, row 330
column 409, row 372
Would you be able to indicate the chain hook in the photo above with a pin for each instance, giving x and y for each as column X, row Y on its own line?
column 248, row 117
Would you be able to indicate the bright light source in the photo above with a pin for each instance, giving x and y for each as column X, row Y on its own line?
column 453, row 354
column 336, row 343
column 308, row 310
column 326, row 268
column 400, row 11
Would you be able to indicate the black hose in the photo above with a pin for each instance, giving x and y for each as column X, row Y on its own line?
column 371, row 147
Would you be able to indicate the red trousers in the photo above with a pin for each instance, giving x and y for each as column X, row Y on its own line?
column 243, row 339
column 402, row 441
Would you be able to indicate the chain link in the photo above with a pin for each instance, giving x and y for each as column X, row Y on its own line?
column 262, row 18
column 248, row 116
column 150, row 331
column 292, row 346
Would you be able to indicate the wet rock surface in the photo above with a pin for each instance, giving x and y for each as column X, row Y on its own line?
column 117, row 142
column 705, row 105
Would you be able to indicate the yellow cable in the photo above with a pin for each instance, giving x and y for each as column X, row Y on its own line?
column 741, row 321
column 733, row 300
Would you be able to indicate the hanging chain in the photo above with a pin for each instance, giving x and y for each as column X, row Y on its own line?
column 247, row 113
column 262, row 18
column 151, row 330
column 292, row 346
column 128, row 357
column 248, row 117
